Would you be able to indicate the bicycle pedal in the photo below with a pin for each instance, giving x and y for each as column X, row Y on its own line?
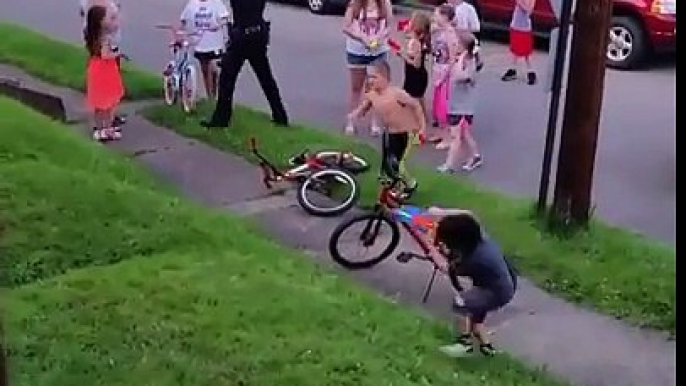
column 405, row 257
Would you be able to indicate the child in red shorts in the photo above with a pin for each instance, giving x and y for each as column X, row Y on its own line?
column 521, row 40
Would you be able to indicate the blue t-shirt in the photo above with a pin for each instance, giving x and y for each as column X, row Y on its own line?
column 488, row 269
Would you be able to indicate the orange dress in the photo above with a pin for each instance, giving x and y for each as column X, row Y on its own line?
column 104, row 85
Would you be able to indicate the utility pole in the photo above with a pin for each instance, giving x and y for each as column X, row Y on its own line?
column 583, row 104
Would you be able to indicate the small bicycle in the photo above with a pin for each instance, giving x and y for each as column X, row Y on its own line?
column 180, row 77
column 321, row 173
column 391, row 212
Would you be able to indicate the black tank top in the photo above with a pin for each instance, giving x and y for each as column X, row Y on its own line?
column 416, row 78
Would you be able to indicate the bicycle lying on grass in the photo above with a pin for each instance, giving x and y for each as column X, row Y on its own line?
column 327, row 174
column 390, row 211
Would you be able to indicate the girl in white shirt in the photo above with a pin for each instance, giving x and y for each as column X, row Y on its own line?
column 207, row 20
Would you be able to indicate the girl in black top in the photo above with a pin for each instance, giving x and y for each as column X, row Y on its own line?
column 414, row 55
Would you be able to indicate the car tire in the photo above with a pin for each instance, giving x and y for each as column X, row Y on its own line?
column 628, row 44
column 319, row 7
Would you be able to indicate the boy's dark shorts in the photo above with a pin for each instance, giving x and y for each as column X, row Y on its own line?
column 477, row 303
column 456, row 119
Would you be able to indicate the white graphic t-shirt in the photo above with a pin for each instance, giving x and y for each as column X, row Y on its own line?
column 206, row 17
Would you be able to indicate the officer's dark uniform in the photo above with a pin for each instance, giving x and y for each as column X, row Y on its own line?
column 249, row 38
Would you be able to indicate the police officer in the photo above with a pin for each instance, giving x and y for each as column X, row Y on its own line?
column 249, row 38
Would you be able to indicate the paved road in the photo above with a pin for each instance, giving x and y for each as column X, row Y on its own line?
column 636, row 174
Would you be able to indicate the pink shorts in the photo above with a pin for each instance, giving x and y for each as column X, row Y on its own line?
column 440, row 104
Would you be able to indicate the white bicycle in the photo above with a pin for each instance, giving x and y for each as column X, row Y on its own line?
column 180, row 77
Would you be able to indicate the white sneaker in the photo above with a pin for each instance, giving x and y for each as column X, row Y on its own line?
column 457, row 350
column 350, row 129
column 443, row 146
column 445, row 169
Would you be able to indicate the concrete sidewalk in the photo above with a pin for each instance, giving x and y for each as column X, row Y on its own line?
column 575, row 344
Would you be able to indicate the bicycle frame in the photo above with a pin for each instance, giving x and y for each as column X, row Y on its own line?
column 390, row 200
column 271, row 174
column 181, row 50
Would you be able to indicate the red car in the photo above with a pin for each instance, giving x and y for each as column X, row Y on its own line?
column 638, row 27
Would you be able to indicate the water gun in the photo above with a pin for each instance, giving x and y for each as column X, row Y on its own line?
column 403, row 24
column 416, row 217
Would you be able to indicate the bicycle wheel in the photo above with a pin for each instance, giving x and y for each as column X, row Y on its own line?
column 328, row 192
column 189, row 89
column 350, row 162
column 372, row 233
column 169, row 87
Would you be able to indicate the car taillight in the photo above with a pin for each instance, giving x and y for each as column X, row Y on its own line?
column 663, row 7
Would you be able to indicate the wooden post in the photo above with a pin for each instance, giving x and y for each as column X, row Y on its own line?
column 583, row 104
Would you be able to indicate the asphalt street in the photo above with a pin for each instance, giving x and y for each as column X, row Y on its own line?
column 635, row 175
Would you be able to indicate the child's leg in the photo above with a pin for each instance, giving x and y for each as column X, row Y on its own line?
column 515, row 48
column 108, row 131
column 410, row 182
column 453, row 158
column 214, row 78
column 99, row 125
column 530, row 73
column 475, row 159
column 206, row 77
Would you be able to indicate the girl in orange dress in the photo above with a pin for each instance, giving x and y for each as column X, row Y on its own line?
column 104, row 86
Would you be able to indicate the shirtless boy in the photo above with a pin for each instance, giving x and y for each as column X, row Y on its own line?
column 399, row 112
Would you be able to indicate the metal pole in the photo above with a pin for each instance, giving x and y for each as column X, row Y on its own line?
column 554, row 107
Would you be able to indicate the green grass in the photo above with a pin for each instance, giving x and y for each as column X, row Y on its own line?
column 613, row 270
column 114, row 281
column 64, row 64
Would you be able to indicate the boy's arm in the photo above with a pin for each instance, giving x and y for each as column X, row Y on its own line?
column 405, row 99
column 361, row 110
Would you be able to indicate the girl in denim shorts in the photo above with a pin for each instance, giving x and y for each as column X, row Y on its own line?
column 366, row 29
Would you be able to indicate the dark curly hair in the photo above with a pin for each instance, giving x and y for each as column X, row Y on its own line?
column 461, row 233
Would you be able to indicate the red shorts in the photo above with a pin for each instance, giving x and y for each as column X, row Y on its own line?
column 521, row 43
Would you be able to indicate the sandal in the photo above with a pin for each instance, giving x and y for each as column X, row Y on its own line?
column 108, row 134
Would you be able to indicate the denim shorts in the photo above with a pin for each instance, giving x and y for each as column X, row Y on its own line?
column 363, row 61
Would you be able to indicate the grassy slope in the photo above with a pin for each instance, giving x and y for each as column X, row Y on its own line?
column 613, row 270
column 61, row 63
column 197, row 299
